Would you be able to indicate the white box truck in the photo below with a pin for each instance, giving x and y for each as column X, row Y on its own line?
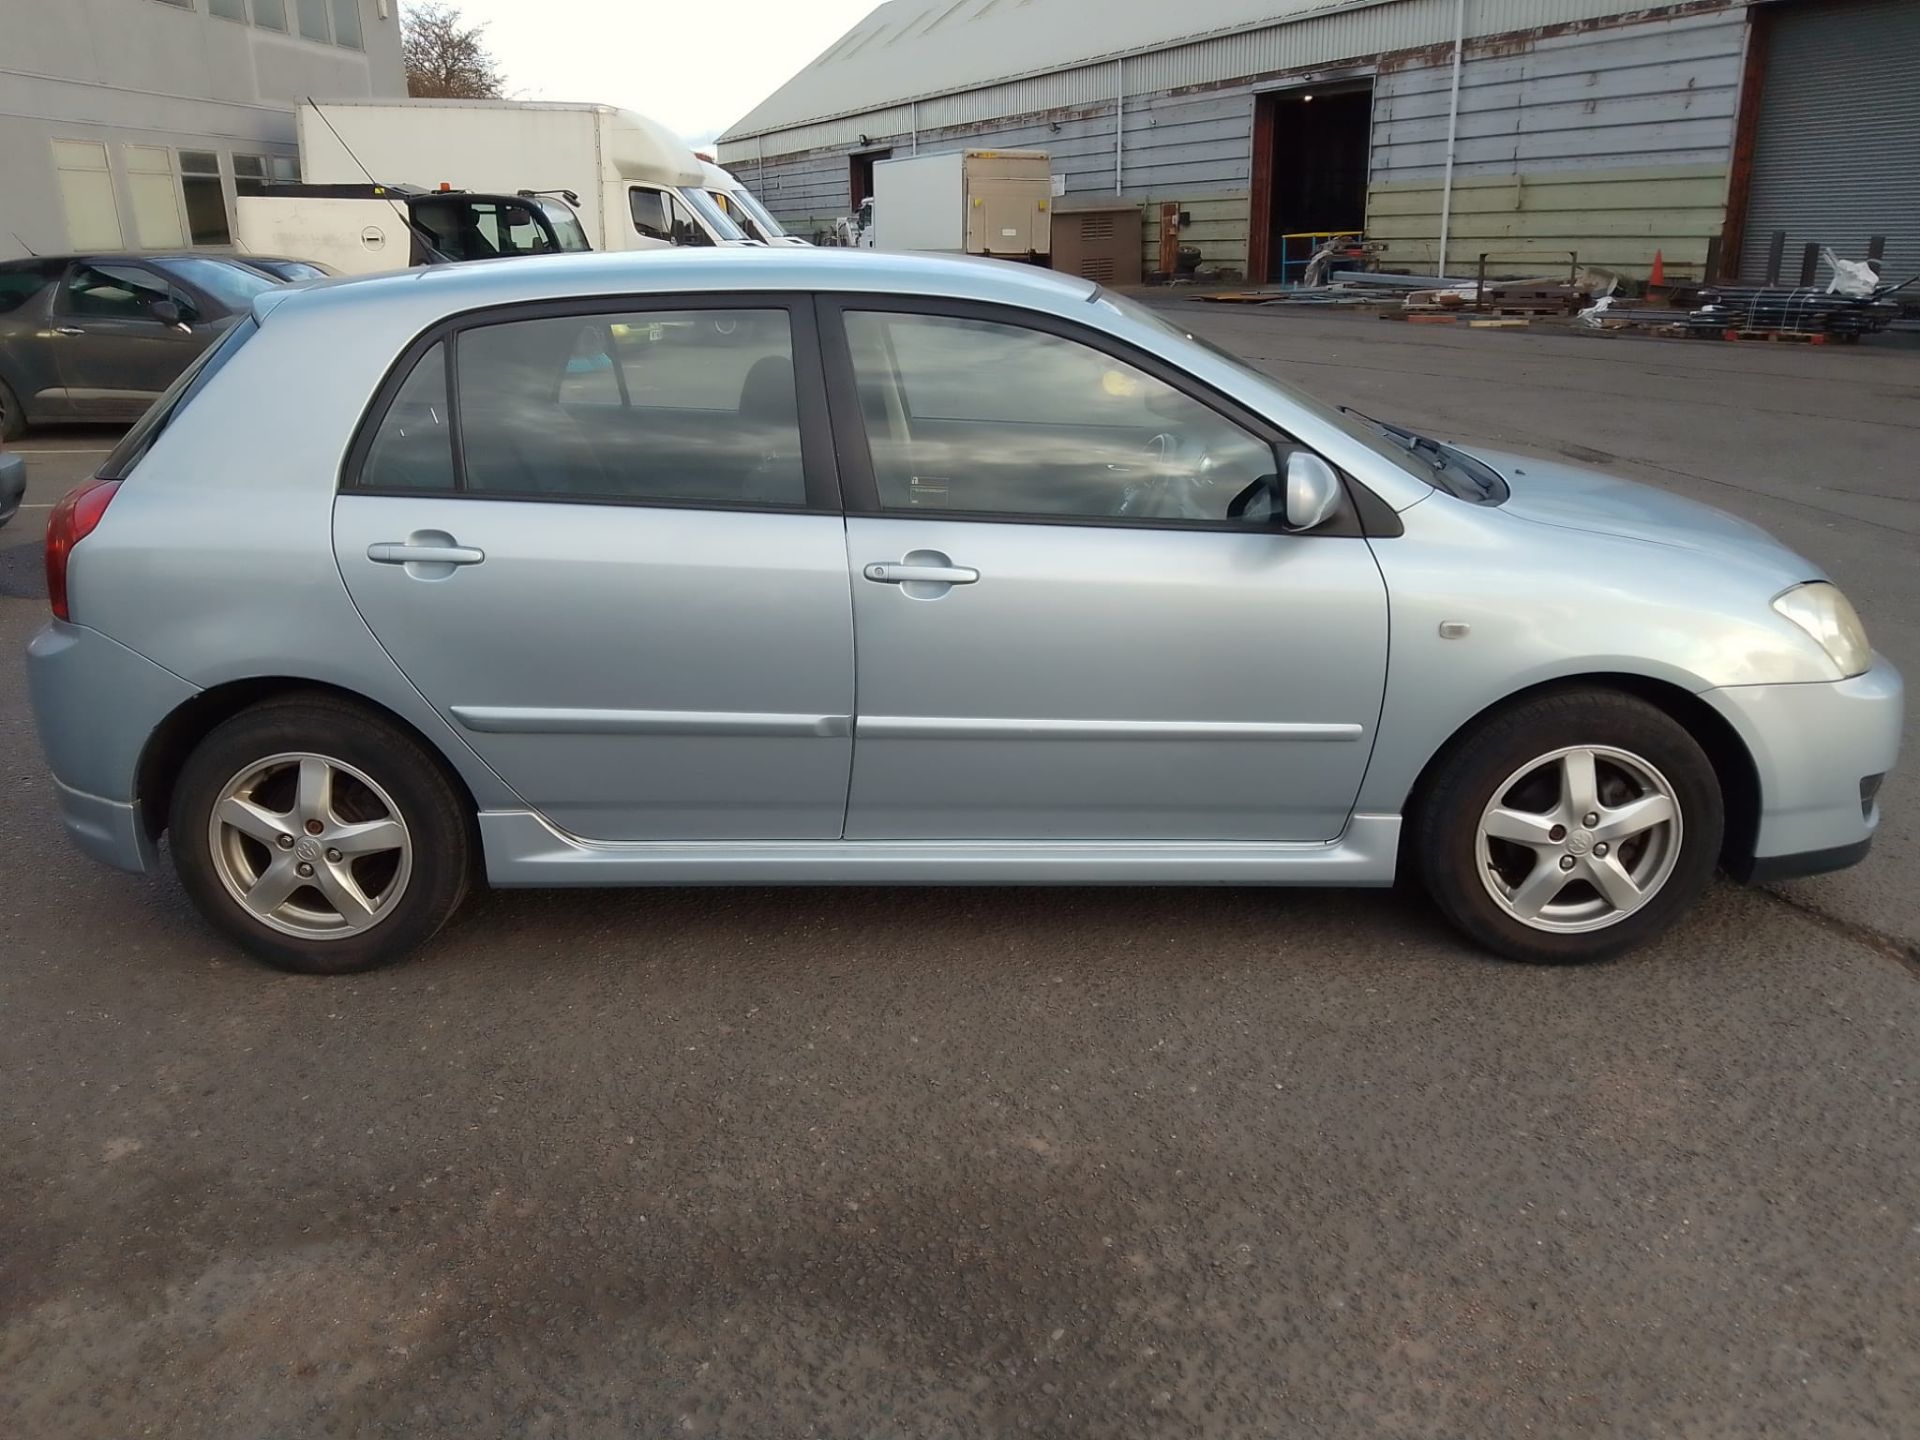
column 968, row 202
column 637, row 185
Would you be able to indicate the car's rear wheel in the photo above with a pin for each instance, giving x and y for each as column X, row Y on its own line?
column 13, row 419
column 320, row 836
column 1571, row 827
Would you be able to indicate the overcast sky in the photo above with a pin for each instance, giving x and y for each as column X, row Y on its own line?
column 694, row 65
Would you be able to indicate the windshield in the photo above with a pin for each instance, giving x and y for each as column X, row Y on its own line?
column 1364, row 432
column 749, row 204
column 234, row 286
column 717, row 220
column 566, row 224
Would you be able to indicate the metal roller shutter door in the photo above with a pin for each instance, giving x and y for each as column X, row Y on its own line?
column 1837, row 153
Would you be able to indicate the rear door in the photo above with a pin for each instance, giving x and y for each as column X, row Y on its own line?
column 116, row 355
column 611, row 553
column 1067, row 628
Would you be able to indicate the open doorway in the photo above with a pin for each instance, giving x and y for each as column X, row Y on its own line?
column 1310, row 152
column 860, row 173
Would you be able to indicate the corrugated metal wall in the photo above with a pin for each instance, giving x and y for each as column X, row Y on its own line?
column 1611, row 140
column 1837, row 153
column 1613, row 143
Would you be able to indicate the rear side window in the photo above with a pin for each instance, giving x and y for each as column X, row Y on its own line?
column 674, row 405
column 136, row 442
column 19, row 284
column 413, row 448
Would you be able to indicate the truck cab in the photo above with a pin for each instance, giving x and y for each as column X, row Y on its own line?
column 743, row 207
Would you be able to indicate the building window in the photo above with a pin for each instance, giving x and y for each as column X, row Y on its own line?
column 270, row 14
column 86, row 195
column 313, row 19
column 156, row 198
column 205, row 196
column 229, row 9
column 256, row 171
column 179, row 4
column 346, row 24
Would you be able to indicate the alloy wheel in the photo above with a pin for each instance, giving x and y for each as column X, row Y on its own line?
column 1579, row 839
column 310, row 846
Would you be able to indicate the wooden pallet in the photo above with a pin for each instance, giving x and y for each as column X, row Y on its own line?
column 1800, row 337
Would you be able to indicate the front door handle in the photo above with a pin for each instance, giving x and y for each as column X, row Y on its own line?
column 902, row 574
column 401, row 552
column 68, row 330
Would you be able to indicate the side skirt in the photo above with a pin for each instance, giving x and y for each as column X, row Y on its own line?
column 523, row 849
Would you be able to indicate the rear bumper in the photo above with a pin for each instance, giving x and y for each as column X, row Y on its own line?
column 1817, row 749
column 96, row 703
column 13, row 485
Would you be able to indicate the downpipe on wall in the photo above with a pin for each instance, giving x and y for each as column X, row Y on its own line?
column 1453, row 131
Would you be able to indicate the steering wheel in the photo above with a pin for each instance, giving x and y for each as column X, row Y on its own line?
column 1177, row 485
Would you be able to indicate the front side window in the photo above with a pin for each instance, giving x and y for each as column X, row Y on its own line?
column 113, row 292
column 980, row 416
column 465, row 229
column 689, row 406
column 663, row 215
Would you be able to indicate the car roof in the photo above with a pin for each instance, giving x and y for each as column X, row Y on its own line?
column 451, row 289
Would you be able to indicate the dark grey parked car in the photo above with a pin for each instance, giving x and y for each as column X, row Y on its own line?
column 99, row 337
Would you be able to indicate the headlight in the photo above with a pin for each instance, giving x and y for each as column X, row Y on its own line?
column 1823, row 612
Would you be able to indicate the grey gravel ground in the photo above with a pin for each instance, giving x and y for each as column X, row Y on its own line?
column 1063, row 1162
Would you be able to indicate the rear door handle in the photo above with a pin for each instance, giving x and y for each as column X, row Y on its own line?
column 68, row 330
column 925, row 574
column 399, row 552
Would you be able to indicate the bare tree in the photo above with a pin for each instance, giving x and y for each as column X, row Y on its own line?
column 447, row 59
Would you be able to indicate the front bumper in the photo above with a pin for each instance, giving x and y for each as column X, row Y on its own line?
column 13, row 486
column 1812, row 747
column 96, row 704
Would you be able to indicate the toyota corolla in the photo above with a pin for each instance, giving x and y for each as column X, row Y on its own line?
column 822, row 567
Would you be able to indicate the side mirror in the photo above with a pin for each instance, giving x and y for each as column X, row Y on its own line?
column 1312, row 492
column 165, row 311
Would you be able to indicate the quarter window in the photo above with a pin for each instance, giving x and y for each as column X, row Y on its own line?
column 413, row 448
column 975, row 415
column 688, row 405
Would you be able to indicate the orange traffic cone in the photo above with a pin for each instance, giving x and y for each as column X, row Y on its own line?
column 1658, row 279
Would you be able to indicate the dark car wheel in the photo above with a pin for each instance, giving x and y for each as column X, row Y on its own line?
column 13, row 419
column 1571, row 827
column 320, row 836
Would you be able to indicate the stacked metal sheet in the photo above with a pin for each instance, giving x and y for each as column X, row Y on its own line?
column 1805, row 310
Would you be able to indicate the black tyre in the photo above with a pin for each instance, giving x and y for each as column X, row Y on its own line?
column 320, row 836
column 1571, row 827
column 13, row 419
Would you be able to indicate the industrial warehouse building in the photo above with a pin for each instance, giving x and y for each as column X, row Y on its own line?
column 1532, row 130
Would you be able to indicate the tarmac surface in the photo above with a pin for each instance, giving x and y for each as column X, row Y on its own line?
column 981, row 1162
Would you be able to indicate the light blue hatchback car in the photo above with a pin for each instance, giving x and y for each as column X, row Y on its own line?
column 808, row 567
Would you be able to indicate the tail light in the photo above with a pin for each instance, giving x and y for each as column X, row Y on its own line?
column 73, row 519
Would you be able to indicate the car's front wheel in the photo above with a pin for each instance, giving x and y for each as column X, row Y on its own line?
column 319, row 835
column 1572, row 827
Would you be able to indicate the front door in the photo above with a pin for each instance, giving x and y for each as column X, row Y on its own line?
column 115, row 355
column 1063, row 632
column 613, row 559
